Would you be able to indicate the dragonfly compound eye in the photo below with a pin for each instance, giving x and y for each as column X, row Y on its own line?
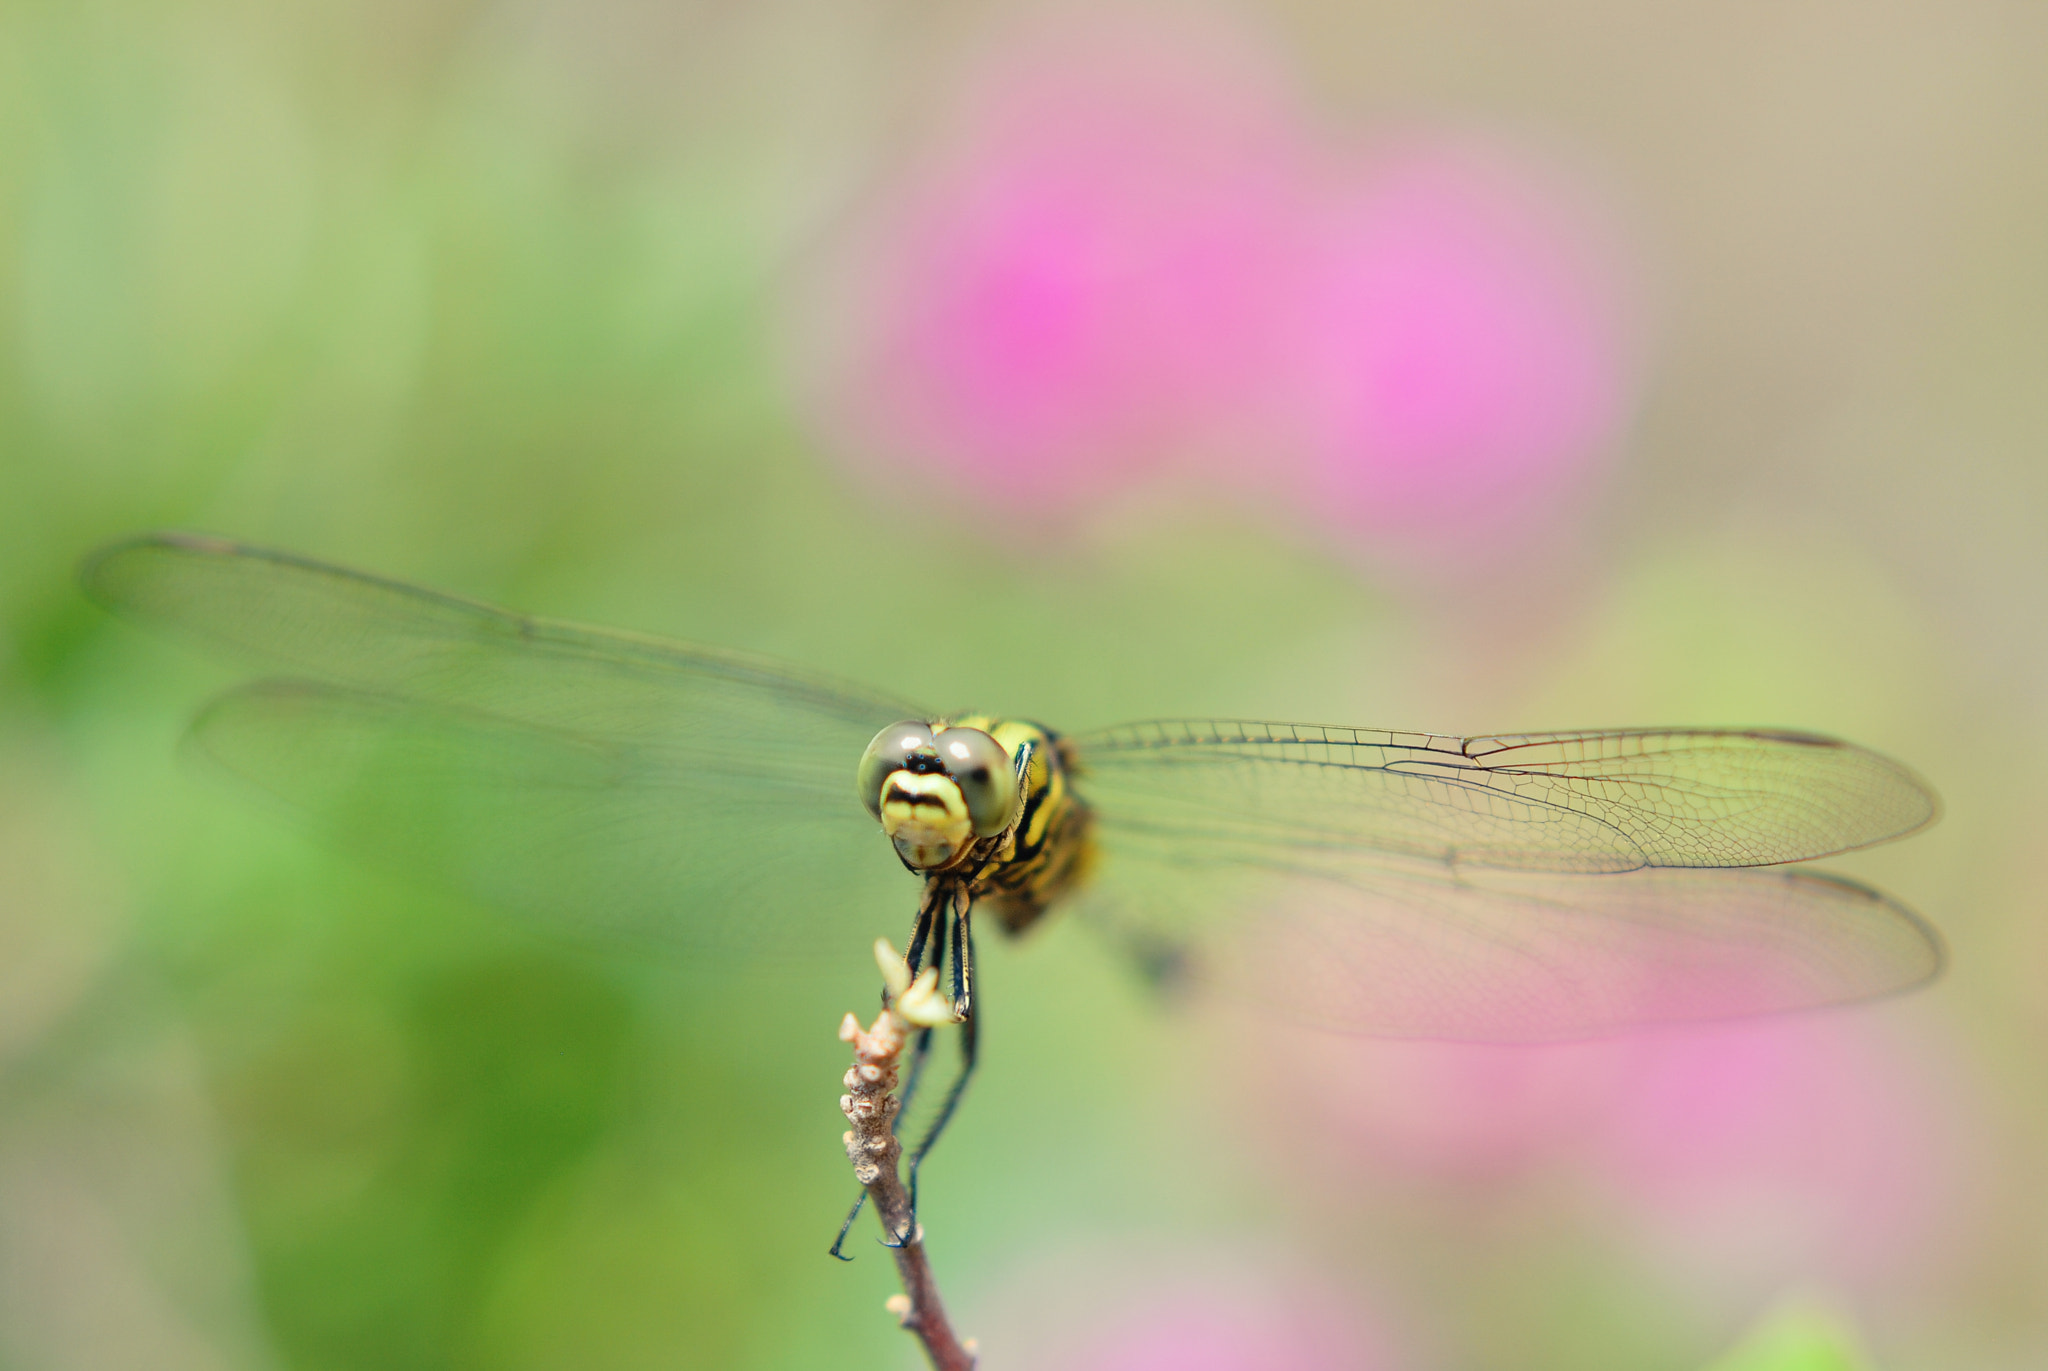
column 899, row 747
column 987, row 779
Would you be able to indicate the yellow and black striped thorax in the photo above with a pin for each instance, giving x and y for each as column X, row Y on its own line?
column 1047, row 853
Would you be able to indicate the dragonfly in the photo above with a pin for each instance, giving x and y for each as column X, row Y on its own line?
column 1511, row 887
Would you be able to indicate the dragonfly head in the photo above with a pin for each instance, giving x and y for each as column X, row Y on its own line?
column 936, row 790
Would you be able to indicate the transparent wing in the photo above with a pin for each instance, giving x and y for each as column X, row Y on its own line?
column 680, row 793
column 1563, row 802
column 1516, row 887
column 1409, row 949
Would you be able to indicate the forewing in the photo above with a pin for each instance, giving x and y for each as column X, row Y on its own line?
column 1563, row 802
column 650, row 844
column 301, row 618
column 1408, row 949
column 684, row 793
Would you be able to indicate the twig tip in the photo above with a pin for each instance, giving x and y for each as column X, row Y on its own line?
column 895, row 970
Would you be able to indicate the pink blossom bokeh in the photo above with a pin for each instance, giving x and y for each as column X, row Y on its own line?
column 1192, row 1329
column 1808, row 1147
column 1181, row 1307
column 1073, row 289
column 1812, row 1147
column 1135, row 262
column 1462, row 364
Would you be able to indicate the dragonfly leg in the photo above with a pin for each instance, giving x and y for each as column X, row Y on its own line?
column 921, row 931
column 920, row 1054
column 963, row 963
column 859, row 1201
column 963, row 960
column 921, row 1051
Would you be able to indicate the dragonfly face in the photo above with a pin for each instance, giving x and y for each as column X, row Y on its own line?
column 936, row 790
column 983, row 802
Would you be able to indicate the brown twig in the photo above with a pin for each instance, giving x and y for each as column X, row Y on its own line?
column 870, row 1105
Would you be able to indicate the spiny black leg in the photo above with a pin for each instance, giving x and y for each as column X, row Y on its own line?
column 847, row 1227
column 968, row 1057
column 927, row 906
column 941, row 920
column 963, row 966
column 921, row 1053
column 963, row 970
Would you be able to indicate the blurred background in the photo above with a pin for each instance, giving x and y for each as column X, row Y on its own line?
column 1472, row 368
